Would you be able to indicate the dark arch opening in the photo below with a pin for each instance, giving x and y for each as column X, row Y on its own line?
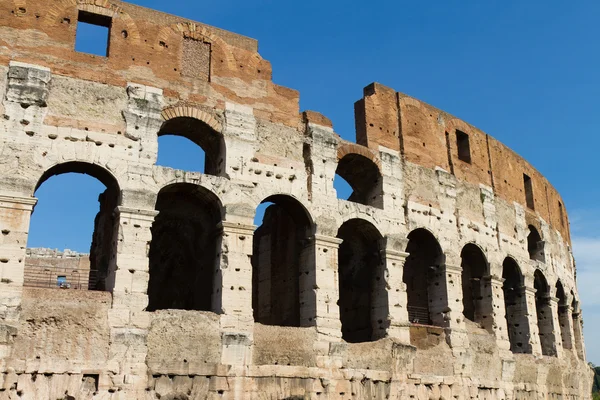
column 363, row 177
column 545, row 320
column 184, row 250
column 477, row 294
column 563, row 316
column 51, row 268
column 361, row 297
column 515, row 305
column 424, row 279
column 577, row 328
column 535, row 245
column 281, row 263
column 200, row 133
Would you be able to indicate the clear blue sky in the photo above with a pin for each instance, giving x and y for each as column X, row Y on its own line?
column 524, row 72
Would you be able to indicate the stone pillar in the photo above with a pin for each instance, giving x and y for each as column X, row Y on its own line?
column 451, row 308
column 531, row 315
column 495, row 312
column 128, row 320
column 15, row 213
column 233, row 297
column 578, row 335
column 319, row 290
column 556, row 330
column 395, row 289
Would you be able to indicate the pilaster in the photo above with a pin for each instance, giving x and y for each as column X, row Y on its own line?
column 495, row 310
column 531, row 317
column 15, row 215
column 395, row 290
column 128, row 276
column 321, row 290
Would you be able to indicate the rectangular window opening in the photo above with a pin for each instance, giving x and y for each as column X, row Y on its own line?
column 561, row 213
column 464, row 148
column 93, row 34
column 528, row 191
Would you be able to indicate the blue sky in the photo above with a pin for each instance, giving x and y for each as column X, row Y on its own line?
column 524, row 72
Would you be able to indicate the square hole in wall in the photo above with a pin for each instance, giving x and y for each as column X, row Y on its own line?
column 528, row 191
column 464, row 147
column 93, row 33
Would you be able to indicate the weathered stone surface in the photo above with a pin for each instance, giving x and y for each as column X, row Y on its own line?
column 447, row 274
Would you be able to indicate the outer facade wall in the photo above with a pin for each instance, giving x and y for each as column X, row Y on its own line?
column 65, row 111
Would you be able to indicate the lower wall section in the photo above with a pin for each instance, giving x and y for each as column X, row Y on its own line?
column 62, row 350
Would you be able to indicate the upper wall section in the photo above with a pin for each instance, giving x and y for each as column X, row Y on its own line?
column 191, row 62
column 432, row 138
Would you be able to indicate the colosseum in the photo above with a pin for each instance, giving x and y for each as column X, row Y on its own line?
column 447, row 273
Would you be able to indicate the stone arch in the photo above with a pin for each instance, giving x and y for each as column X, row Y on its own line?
column 184, row 249
column 564, row 318
column 515, row 306
column 282, row 261
column 360, row 268
column 535, row 244
column 545, row 319
column 477, row 294
column 202, row 129
column 81, row 167
column 103, row 247
column 361, row 169
column 424, row 271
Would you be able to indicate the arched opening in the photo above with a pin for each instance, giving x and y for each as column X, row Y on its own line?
column 535, row 245
column 177, row 151
column 281, row 262
column 563, row 316
column 577, row 328
column 424, row 279
column 544, row 314
column 476, row 290
column 515, row 305
column 73, row 209
column 184, row 250
column 362, row 175
column 360, row 271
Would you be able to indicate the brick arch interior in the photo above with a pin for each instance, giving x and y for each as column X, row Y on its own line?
column 359, row 269
column 563, row 316
column 515, row 305
column 183, row 253
column 203, row 135
column 364, row 176
column 477, row 292
column 544, row 315
column 424, row 278
column 282, row 249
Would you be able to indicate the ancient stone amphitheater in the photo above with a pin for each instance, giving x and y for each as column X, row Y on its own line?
column 447, row 274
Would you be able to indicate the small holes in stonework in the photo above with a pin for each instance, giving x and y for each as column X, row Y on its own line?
column 66, row 21
column 163, row 44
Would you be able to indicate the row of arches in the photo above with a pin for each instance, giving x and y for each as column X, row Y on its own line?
column 189, row 144
column 184, row 257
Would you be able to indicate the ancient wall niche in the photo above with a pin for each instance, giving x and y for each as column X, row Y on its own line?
column 195, row 59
